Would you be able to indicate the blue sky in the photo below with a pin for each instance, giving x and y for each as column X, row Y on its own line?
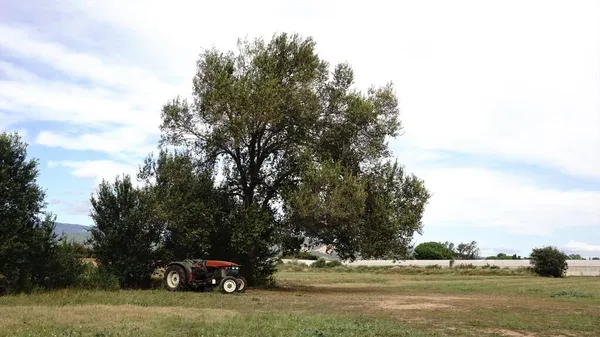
column 500, row 101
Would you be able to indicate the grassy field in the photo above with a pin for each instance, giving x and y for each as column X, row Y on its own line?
column 323, row 303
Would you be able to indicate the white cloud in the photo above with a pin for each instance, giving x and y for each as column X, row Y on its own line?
column 96, row 170
column 116, row 141
column 582, row 248
column 469, row 197
column 116, row 109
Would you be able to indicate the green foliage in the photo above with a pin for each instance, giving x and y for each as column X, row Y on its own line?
column 375, row 214
column 125, row 231
column 334, row 263
column 21, row 203
column 503, row 256
column 30, row 253
column 282, row 128
column 322, row 263
column 576, row 257
column 433, row 251
column 66, row 269
column 549, row 261
column 251, row 240
column 99, row 278
column 193, row 214
column 572, row 293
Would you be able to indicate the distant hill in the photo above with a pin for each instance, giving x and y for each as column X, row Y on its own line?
column 72, row 231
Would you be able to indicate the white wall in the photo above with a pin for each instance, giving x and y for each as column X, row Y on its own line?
column 576, row 267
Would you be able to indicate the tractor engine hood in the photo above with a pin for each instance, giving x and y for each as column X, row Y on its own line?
column 220, row 264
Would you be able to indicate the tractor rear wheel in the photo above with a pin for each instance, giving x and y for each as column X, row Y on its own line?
column 175, row 278
column 242, row 283
column 228, row 285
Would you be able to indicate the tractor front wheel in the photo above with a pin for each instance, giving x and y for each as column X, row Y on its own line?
column 174, row 278
column 242, row 283
column 228, row 285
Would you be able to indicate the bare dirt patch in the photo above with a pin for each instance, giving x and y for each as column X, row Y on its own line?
column 509, row 333
column 440, row 298
column 106, row 315
column 392, row 305
column 348, row 285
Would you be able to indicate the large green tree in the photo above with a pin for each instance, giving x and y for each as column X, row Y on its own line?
column 280, row 126
column 29, row 252
column 126, row 231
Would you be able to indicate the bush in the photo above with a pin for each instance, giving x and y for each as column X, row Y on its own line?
column 334, row 263
column 466, row 266
column 549, row 261
column 97, row 278
column 322, row 263
column 433, row 251
column 433, row 266
column 66, row 268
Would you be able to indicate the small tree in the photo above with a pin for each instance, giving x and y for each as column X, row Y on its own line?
column 433, row 251
column 125, row 232
column 549, row 261
column 467, row 251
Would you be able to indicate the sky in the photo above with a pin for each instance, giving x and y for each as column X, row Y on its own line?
column 499, row 100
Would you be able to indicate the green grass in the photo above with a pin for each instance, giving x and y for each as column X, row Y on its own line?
column 325, row 302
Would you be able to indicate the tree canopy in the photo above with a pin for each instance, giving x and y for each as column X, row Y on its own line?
column 433, row 251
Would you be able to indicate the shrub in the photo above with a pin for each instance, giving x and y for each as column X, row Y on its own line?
column 322, row 263
column 466, row 266
column 334, row 263
column 97, row 278
column 66, row 268
column 433, row 266
column 549, row 261
column 433, row 251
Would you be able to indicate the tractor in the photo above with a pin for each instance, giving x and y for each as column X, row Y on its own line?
column 198, row 274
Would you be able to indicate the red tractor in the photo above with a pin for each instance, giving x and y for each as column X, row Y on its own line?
column 203, row 275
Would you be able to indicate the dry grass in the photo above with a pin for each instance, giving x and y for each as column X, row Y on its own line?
column 96, row 316
column 323, row 304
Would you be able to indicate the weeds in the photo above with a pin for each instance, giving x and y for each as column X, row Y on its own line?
column 572, row 293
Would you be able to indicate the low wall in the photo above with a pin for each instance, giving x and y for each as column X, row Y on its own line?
column 576, row 267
